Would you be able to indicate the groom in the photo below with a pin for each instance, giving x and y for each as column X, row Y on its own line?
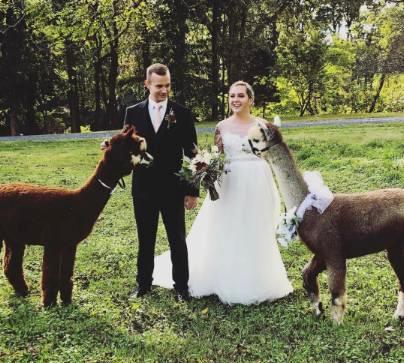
column 170, row 133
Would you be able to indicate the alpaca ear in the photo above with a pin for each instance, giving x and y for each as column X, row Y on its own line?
column 269, row 131
column 104, row 145
column 128, row 130
column 277, row 121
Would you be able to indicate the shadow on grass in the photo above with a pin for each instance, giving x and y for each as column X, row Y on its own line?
column 105, row 328
column 61, row 333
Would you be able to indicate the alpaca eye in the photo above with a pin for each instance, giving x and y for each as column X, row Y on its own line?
column 255, row 140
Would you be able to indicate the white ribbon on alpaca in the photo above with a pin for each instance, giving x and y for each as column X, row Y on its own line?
column 319, row 197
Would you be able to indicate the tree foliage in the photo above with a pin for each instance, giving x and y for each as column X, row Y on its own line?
column 67, row 64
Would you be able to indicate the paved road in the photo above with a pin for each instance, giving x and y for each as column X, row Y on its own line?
column 295, row 124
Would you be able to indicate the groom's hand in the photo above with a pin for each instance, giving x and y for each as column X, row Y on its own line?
column 190, row 202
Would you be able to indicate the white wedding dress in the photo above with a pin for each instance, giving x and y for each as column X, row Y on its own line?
column 231, row 246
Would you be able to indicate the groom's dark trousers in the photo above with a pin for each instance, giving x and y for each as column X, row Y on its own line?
column 159, row 189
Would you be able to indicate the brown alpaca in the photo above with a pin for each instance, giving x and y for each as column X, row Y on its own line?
column 59, row 219
column 353, row 225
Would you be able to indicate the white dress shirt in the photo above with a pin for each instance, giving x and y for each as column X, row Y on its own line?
column 156, row 121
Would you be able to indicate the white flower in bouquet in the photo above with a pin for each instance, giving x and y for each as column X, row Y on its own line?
column 199, row 158
column 192, row 167
column 207, row 157
column 287, row 227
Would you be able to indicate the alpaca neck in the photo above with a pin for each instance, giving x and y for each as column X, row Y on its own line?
column 95, row 193
column 290, row 181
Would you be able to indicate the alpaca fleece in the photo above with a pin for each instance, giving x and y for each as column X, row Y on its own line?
column 59, row 219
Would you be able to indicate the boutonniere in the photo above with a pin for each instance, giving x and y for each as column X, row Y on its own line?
column 170, row 118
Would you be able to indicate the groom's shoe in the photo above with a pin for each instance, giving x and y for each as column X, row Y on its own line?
column 182, row 295
column 139, row 292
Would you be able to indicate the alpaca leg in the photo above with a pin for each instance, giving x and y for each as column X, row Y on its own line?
column 396, row 258
column 399, row 313
column 310, row 273
column 66, row 273
column 336, row 283
column 50, row 276
column 12, row 264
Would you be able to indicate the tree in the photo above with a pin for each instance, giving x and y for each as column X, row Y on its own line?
column 27, row 70
column 112, row 19
column 301, row 55
column 12, row 49
column 390, row 26
column 89, row 57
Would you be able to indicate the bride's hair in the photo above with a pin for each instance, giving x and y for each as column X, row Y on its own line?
column 249, row 89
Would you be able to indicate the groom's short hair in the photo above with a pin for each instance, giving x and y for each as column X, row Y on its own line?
column 158, row 68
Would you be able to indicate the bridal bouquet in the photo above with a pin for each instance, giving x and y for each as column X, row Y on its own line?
column 204, row 169
column 287, row 228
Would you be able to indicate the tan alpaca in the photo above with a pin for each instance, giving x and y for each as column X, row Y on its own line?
column 353, row 225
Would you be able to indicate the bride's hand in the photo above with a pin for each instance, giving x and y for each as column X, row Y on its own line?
column 190, row 202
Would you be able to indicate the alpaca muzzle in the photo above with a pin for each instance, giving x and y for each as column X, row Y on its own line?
column 146, row 159
column 257, row 151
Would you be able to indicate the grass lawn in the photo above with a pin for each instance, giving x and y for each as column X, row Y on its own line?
column 343, row 116
column 102, row 326
column 320, row 117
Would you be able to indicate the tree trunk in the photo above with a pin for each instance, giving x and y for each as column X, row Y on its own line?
column 224, row 114
column 104, row 96
column 264, row 107
column 179, row 65
column 146, row 57
column 303, row 102
column 214, row 70
column 31, row 126
column 237, row 18
column 13, row 84
column 73, row 94
column 112, row 113
column 114, row 35
column 231, row 53
column 302, row 110
column 377, row 95
column 97, row 123
column 13, row 123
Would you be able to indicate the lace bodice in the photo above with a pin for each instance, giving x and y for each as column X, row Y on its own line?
column 236, row 147
column 231, row 137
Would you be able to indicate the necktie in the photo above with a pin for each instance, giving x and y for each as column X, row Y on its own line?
column 157, row 117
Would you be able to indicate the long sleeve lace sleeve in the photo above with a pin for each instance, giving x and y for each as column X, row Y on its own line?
column 218, row 139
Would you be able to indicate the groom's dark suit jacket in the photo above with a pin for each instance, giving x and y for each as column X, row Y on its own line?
column 167, row 147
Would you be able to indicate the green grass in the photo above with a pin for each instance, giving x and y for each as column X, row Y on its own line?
column 321, row 117
column 102, row 326
column 341, row 116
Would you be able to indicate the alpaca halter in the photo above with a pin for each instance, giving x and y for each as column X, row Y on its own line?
column 121, row 183
column 265, row 134
column 255, row 149
column 106, row 186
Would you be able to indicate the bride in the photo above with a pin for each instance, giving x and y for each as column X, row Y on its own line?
column 231, row 246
